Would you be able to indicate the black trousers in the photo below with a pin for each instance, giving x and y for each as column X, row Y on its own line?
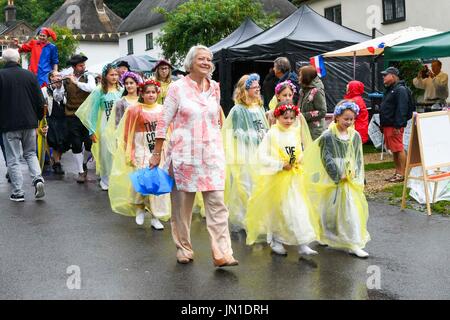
column 77, row 134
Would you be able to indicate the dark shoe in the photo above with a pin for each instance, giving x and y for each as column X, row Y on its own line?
column 57, row 168
column 39, row 191
column 225, row 263
column 17, row 198
column 397, row 178
column 82, row 177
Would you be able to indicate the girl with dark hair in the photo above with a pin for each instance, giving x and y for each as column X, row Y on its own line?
column 136, row 143
column 130, row 96
column 94, row 113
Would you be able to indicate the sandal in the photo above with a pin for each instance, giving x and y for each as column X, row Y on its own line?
column 397, row 178
column 391, row 177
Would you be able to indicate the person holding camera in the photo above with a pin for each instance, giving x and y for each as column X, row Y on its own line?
column 434, row 82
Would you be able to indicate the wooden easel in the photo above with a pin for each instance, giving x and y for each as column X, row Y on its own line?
column 421, row 155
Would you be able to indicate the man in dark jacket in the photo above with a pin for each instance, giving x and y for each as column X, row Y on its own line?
column 282, row 70
column 21, row 107
column 393, row 119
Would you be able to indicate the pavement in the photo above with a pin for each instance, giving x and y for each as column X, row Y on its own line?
column 72, row 246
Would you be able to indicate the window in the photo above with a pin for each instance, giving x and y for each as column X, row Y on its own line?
column 393, row 11
column 334, row 14
column 130, row 46
column 149, row 41
column 2, row 48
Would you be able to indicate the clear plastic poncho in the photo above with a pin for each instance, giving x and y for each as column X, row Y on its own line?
column 341, row 204
column 243, row 130
column 135, row 138
column 279, row 206
column 95, row 113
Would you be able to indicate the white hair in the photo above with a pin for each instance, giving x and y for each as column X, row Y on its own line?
column 11, row 55
column 189, row 60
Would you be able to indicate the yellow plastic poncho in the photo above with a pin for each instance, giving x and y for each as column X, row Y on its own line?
column 94, row 113
column 135, row 142
column 243, row 131
column 279, row 206
column 341, row 204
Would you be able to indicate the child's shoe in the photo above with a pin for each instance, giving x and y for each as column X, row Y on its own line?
column 278, row 248
column 360, row 253
column 306, row 251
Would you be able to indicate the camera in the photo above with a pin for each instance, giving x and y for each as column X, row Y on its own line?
column 425, row 72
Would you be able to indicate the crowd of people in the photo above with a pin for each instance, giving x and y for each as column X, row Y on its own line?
column 280, row 173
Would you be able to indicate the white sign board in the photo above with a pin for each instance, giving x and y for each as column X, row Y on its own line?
column 435, row 139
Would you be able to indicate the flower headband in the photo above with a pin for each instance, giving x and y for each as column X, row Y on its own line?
column 129, row 74
column 282, row 109
column 283, row 85
column 151, row 82
column 251, row 78
column 108, row 67
column 342, row 106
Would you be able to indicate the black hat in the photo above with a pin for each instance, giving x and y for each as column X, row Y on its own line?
column 123, row 64
column 76, row 59
column 390, row 70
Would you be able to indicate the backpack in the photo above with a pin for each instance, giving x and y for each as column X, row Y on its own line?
column 411, row 103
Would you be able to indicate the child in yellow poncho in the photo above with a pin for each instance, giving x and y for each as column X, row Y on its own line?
column 334, row 170
column 244, row 129
column 136, row 141
column 279, row 210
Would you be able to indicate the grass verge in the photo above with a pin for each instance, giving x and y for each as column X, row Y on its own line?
column 395, row 197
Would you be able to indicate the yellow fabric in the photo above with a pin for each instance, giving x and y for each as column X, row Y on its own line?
column 121, row 192
column 243, row 130
column 164, row 88
column 341, row 204
column 273, row 103
column 277, row 189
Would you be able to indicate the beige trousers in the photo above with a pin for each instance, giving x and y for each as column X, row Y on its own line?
column 216, row 223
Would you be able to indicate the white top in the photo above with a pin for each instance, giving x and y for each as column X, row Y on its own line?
column 435, row 88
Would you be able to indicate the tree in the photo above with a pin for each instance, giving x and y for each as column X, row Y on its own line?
column 297, row 2
column 66, row 44
column 122, row 8
column 206, row 22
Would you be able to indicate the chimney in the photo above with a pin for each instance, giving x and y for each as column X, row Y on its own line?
column 99, row 5
column 10, row 12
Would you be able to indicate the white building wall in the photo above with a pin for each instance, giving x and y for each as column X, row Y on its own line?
column 99, row 52
column 358, row 14
column 139, row 42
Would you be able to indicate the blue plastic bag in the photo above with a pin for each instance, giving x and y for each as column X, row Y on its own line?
column 151, row 181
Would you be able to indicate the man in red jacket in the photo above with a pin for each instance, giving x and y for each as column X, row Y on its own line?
column 355, row 90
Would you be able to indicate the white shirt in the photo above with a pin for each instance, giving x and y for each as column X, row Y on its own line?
column 435, row 88
column 89, row 86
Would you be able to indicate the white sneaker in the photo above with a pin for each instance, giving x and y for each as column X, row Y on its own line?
column 156, row 224
column 306, row 251
column 359, row 253
column 140, row 216
column 103, row 185
column 278, row 248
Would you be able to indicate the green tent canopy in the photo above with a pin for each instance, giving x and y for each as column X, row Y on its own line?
column 436, row 46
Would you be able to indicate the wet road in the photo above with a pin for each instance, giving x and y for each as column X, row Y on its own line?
column 74, row 228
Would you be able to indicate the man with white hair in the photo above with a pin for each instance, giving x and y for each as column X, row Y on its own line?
column 21, row 107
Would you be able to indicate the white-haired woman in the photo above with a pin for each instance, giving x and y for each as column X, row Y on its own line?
column 195, row 156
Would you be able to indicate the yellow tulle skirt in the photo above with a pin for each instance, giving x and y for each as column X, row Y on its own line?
column 280, row 208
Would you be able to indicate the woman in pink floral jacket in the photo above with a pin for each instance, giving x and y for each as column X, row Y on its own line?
column 195, row 156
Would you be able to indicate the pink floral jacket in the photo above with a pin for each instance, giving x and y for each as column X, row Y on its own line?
column 195, row 149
